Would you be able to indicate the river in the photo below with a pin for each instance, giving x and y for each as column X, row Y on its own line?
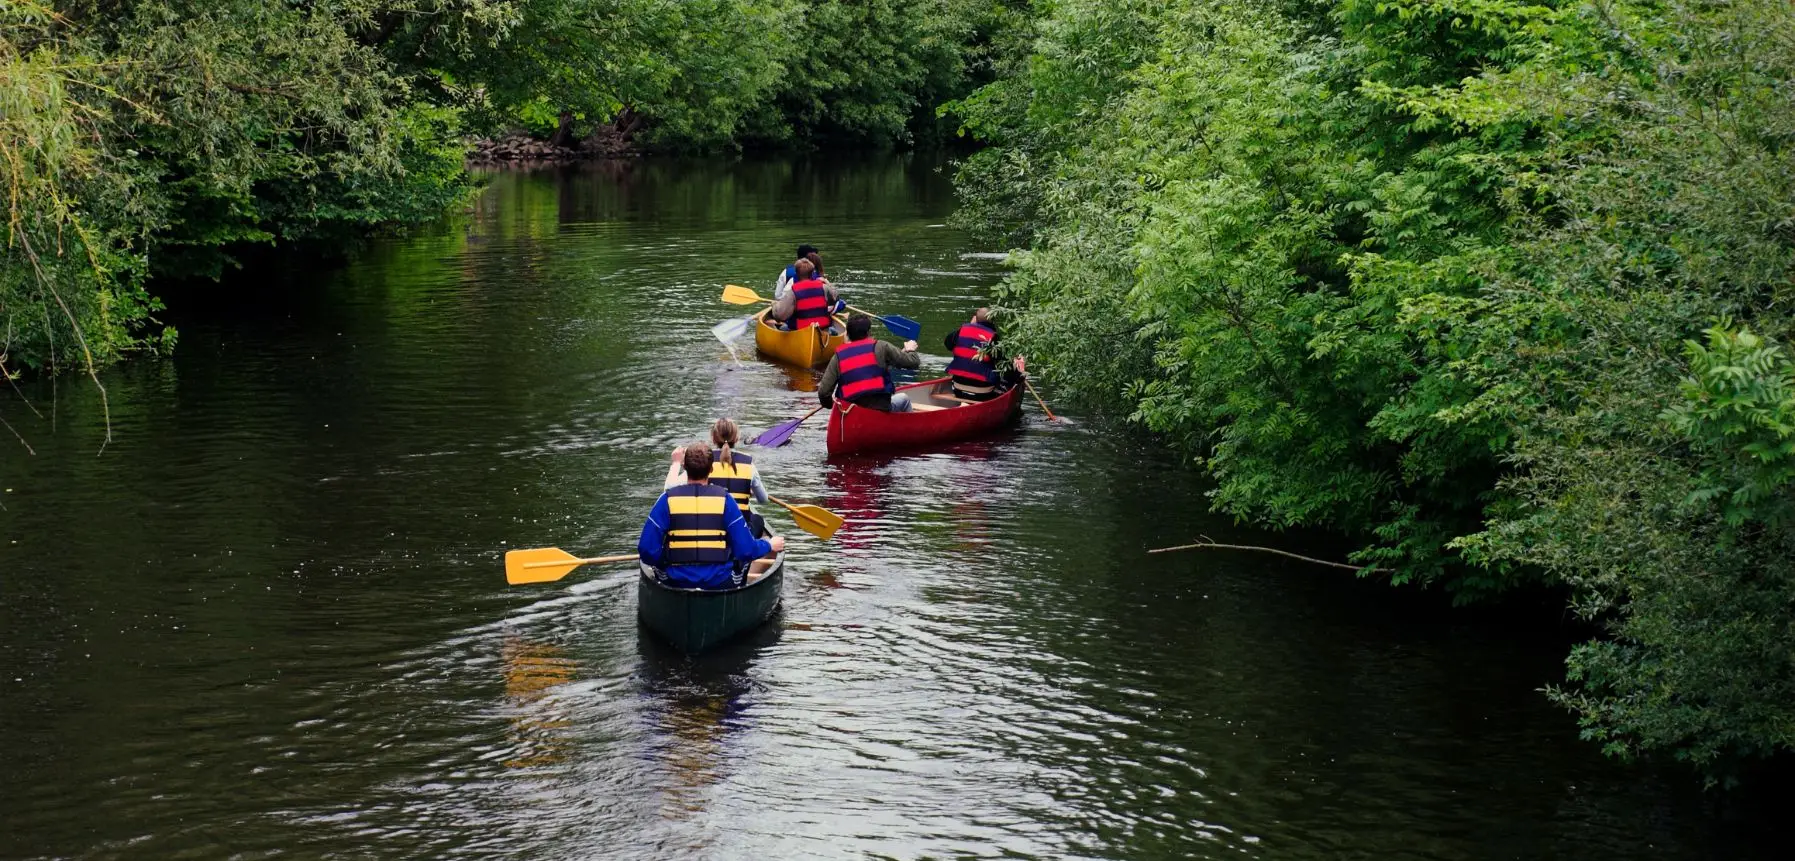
column 269, row 616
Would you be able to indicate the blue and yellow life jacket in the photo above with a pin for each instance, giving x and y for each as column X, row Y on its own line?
column 738, row 481
column 697, row 533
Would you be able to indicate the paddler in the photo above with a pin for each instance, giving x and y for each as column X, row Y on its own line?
column 696, row 535
column 783, row 284
column 810, row 302
column 974, row 364
column 861, row 370
column 730, row 470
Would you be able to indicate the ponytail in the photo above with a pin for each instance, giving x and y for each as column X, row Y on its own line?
column 725, row 435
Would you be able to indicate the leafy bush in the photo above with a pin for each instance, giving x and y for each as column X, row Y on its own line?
column 1426, row 273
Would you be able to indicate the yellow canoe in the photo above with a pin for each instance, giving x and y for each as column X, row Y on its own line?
column 806, row 348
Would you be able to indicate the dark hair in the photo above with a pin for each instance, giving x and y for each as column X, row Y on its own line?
column 724, row 433
column 805, row 267
column 698, row 461
column 806, row 250
column 858, row 326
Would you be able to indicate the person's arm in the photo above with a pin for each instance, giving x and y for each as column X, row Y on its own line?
column 951, row 341
column 1015, row 373
column 743, row 546
column 783, row 284
column 755, row 488
column 906, row 358
column 825, row 390
column 784, row 306
column 654, row 534
column 676, row 474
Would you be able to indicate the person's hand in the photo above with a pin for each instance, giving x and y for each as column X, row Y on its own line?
column 909, row 346
column 778, row 542
column 679, row 455
column 1020, row 363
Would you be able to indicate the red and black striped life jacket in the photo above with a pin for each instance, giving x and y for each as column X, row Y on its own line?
column 861, row 373
column 967, row 364
column 812, row 307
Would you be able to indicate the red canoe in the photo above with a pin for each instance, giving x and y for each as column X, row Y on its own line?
column 938, row 417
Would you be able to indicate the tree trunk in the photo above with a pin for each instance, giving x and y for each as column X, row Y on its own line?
column 563, row 136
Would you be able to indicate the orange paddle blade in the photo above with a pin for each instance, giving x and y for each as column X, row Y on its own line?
column 548, row 564
column 736, row 294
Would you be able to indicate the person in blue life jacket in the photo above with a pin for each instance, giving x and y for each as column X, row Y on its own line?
column 861, row 370
column 730, row 469
column 973, row 367
column 783, row 284
column 697, row 537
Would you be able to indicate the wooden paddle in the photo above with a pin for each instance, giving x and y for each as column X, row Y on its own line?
column 1031, row 390
column 781, row 433
column 548, row 564
column 820, row 522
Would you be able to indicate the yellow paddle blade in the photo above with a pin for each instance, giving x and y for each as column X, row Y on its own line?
column 547, row 564
column 540, row 565
column 820, row 522
column 736, row 294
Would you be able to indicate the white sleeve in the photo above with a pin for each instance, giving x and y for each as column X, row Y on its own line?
column 781, row 285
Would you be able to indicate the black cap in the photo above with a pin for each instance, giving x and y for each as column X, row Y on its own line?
column 807, row 249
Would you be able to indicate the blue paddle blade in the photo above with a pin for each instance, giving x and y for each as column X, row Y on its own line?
column 777, row 435
column 903, row 327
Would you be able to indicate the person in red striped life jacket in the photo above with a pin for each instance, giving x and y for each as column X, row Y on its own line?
column 861, row 370
column 783, row 284
column 810, row 302
column 975, row 360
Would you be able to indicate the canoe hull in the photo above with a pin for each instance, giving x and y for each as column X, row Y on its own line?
column 694, row 620
column 805, row 348
column 858, row 429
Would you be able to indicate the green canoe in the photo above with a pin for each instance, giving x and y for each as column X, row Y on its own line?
column 694, row 620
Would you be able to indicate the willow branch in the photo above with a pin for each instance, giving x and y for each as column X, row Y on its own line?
column 1211, row 545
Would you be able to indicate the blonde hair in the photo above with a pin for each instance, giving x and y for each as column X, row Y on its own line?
column 726, row 436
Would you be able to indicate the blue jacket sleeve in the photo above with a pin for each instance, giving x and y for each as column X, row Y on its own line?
column 743, row 546
column 654, row 534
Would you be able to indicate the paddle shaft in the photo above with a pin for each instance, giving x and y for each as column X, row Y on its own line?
column 593, row 561
column 1031, row 390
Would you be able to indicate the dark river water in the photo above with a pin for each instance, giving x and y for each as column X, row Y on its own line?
column 269, row 618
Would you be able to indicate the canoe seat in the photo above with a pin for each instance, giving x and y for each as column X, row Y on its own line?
column 925, row 408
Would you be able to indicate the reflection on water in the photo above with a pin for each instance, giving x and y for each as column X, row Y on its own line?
column 270, row 620
column 699, row 702
column 539, row 724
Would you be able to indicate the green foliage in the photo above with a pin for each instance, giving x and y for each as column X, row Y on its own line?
column 1425, row 273
column 162, row 137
